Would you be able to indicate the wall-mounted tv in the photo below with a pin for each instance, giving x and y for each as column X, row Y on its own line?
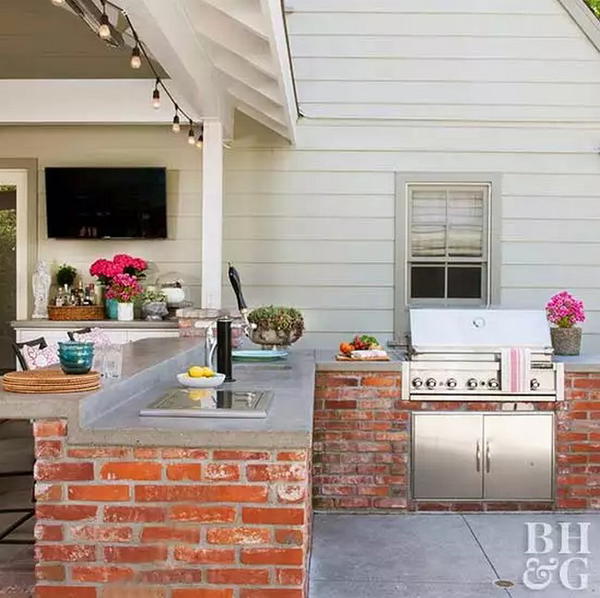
column 106, row 203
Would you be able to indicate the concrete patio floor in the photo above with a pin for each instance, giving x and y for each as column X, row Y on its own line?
column 439, row 555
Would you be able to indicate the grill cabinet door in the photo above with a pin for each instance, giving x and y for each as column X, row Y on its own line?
column 447, row 456
column 518, row 456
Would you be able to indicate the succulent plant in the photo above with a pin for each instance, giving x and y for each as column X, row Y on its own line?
column 281, row 319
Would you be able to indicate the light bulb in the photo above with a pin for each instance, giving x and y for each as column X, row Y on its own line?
column 58, row 2
column 104, row 29
column 191, row 139
column 199, row 141
column 136, row 58
column 156, row 98
column 176, row 126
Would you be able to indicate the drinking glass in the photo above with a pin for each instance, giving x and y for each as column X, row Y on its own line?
column 113, row 361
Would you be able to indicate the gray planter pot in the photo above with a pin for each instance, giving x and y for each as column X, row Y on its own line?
column 566, row 341
column 273, row 338
column 154, row 311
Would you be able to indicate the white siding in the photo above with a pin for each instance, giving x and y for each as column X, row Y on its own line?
column 387, row 86
column 120, row 146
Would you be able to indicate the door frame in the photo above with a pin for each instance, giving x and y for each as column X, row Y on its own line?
column 22, row 172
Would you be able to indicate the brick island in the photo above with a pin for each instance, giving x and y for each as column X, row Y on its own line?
column 139, row 507
column 171, row 507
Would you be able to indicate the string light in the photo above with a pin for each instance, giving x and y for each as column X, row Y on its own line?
column 136, row 58
column 176, row 126
column 104, row 29
column 200, row 140
column 138, row 53
column 156, row 95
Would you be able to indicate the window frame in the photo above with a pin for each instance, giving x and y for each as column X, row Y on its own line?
column 491, row 265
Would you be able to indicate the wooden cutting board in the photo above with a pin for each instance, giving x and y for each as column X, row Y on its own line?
column 50, row 381
column 341, row 357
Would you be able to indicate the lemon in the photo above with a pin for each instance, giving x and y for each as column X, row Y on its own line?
column 197, row 371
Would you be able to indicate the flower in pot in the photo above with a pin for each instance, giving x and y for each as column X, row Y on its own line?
column 154, row 304
column 135, row 266
column 276, row 326
column 65, row 276
column 565, row 311
column 124, row 288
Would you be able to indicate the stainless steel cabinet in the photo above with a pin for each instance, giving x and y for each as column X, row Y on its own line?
column 518, row 456
column 482, row 456
column 447, row 456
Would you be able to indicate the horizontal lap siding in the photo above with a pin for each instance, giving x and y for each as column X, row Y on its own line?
column 313, row 225
column 120, row 146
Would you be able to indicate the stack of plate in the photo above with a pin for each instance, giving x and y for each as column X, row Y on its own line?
column 51, row 381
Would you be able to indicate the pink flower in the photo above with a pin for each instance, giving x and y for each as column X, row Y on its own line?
column 124, row 288
column 104, row 270
column 131, row 265
column 564, row 310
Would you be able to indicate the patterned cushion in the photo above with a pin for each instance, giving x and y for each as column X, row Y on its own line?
column 39, row 358
column 96, row 336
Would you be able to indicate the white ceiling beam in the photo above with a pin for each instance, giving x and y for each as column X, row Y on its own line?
column 261, row 118
column 97, row 101
column 275, row 19
column 166, row 29
column 245, row 12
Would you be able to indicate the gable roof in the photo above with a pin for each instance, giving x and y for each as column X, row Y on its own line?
column 585, row 18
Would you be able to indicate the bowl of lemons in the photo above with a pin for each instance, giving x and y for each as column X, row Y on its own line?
column 200, row 377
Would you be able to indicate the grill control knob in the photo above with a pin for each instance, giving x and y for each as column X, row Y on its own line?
column 431, row 383
column 451, row 383
column 472, row 383
column 493, row 383
column 535, row 384
column 417, row 382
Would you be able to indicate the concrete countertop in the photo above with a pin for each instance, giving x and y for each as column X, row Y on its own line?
column 588, row 362
column 75, row 324
column 110, row 416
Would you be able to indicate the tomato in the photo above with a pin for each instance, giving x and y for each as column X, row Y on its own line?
column 346, row 348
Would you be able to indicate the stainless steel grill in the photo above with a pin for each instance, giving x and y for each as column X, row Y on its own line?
column 459, row 355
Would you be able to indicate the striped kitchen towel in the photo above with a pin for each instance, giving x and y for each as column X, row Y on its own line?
column 515, row 366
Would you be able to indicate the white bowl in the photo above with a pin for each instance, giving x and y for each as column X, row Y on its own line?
column 211, row 382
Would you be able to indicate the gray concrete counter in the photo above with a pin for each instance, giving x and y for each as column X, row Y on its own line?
column 587, row 362
column 75, row 324
column 111, row 415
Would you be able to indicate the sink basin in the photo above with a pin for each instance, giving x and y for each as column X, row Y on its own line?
column 197, row 402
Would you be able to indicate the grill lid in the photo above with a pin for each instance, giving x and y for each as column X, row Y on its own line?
column 478, row 330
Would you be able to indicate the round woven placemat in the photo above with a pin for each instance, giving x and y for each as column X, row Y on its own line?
column 50, row 376
column 31, row 389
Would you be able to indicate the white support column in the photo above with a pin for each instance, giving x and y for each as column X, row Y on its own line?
column 212, row 214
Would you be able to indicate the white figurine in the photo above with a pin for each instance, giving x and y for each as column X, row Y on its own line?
column 41, row 288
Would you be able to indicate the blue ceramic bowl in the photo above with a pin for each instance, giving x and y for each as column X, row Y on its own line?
column 76, row 357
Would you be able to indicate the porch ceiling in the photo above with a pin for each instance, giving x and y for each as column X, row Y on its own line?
column 220, row 56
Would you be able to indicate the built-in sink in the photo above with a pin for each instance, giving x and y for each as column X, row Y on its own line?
column 210, row 402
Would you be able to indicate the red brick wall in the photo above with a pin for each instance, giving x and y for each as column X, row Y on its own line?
column 119, row 522
column 361, row 449
column 578, row 443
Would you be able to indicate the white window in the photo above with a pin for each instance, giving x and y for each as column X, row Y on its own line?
column 447, row 244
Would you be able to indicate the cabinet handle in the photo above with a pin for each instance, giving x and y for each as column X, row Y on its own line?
column 477, row 457
column 488, row 457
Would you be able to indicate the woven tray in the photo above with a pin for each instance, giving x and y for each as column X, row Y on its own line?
column 50, row 381
column 76, row 312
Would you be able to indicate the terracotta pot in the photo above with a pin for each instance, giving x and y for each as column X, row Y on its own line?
column 566, row 341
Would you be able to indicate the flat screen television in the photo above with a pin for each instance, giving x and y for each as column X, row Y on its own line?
column 106, row 203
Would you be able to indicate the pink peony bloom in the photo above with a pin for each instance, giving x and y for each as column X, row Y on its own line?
column 564, row 310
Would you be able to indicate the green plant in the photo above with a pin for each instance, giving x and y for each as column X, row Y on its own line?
column 65, row 275
column 281, row 319
column 152, row 296
column 595, row 6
